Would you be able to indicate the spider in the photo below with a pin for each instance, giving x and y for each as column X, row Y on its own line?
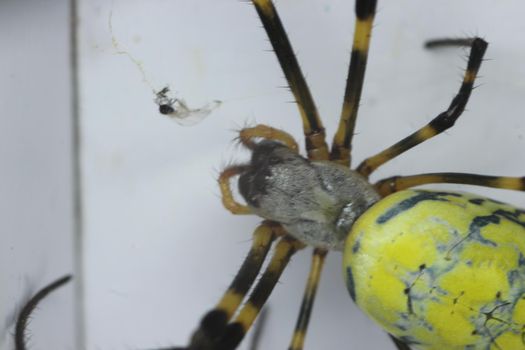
column 318, row 255
column 319, row 202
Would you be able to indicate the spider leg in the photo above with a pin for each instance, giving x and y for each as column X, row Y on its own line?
column 214, row 323
column 398, row 183
column 448, row 42
column 226, row 192
column 312, row 126
column 314, row 276
column 442, row 122
column 29, row 307
column 235, row 331
column 342, row 143
column 247, row 136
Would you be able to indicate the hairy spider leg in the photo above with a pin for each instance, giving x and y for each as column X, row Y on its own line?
column 29, row 307
column 314, row 276
column 448, row 42
column 214, row 323
column 314, row 133
column 247, row 136
column 398, row 183
column 236, row 330
column 226, row 192
column 342, row 143
column 442, row 122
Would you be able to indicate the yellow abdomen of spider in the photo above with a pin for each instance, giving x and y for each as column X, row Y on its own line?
column 441, row 270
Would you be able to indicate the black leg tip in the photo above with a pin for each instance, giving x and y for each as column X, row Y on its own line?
column 214, row 323
column 365, row 9
column 232, row 337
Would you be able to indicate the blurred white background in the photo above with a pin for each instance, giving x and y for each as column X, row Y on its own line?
column 156, row 246
column 36, row 168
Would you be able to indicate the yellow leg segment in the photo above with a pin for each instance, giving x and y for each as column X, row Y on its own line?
column 342, row 144
column 398, row 183
column 247, row 136
column 226, row 193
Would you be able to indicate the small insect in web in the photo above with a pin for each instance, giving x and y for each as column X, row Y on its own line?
column 178, row 110
column 165, row 103
column 173, row 107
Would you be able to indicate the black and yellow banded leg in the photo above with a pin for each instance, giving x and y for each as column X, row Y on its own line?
column 440, row 123
column 342, row 144
column 247, row 136
column 301, row 326
column 214, row 323
column 313, row 128
column 29, row 307
column 397, row 183
column 226, row 192
column 448, row 42
column 236, row 330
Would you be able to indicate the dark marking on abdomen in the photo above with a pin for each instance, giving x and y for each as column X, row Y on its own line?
column 514, row 217
column 477, row 201
column 413, row 201
column 350, row 285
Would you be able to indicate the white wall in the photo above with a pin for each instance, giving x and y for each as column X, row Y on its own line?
column 36, row 198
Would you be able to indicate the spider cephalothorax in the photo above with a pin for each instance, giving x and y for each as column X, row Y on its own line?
column 315, row 201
